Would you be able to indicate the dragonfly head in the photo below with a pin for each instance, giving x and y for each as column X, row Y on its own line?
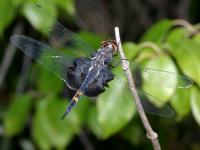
column 112, row 44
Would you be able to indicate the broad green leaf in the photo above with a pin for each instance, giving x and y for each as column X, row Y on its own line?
column 57, row 133
column 181, row 102
column 68, row 6
column 93, row 122
column 196, row 38
column 7, row 14
column 92, row 39
column 115, row 108
column 39, row 132
column 17, row 115
column 48, row 82
column 133, row 132
column 195, row 103
column 186, row 53
column 42, row 18
column 160, row 86
column 156, row 32
column 130, row 49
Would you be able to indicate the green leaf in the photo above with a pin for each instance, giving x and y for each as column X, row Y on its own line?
column 93, row 122
column 195, row 103
column 186, row 53
column 92, row 39
column 181, row 102
column 133, row 132
column 42, row 18
column 115, row 107
column 7, row 14
column 57, row 133
column 196, row 38
column 16, row 116
column 48, row 82
column 156, row 32
column 17, row 3
column 68, row 6
column 160, row 85
column 130, row 49
column 39, row 132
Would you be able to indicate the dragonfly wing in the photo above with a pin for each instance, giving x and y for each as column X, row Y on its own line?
column 61, row 37
column 161, row 78
column 165, row 111
column 52, row 60
column 156, row 77
column 120, row 80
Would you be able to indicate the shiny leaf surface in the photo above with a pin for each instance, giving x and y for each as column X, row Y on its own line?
column 17, row 115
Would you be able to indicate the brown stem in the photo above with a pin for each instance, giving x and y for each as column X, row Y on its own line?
column 85, row 140
column 180, row 23
column 8, row 56
column 24, row 74
column 152, row 46
column 125, row 65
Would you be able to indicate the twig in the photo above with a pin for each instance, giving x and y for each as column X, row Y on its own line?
column 191, row 31
column 152, row 46
column 1, row 130
column 125, row 65
column 23, row 75
column 8, row 56
column 5, row 143
column 85, row 141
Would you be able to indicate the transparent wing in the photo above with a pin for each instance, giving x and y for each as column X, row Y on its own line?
column 157, row 79
column 61, row 37
column 64, row 47
column 162, row 78
column 52, row 60
column 118, row 86
column 165, row 111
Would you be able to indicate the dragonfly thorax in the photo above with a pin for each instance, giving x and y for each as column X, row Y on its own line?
column 103, row 56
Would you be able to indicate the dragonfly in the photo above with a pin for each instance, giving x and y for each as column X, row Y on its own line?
column 84, row 69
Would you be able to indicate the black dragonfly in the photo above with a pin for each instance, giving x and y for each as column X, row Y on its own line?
column 83, row 69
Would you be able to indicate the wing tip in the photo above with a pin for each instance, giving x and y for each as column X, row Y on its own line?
column 188, row 83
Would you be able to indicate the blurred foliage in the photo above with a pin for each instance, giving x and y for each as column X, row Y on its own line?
column 41, row 106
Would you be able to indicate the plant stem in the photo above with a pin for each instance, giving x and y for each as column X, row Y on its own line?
column 125, row 65
column 85, row 140
column 8, row 56
column 24, row 74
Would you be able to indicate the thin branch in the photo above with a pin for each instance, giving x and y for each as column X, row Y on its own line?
column 85, row 140
column 152, row 46
column 125, row 65
column 191, row 31
column 8, row 56
column 24, row 74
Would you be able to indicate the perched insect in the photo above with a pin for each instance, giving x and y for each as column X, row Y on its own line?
column 83, row 69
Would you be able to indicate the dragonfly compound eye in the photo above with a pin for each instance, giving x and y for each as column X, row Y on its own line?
column 110, row 43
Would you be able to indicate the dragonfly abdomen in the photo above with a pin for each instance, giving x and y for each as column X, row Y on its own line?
column 73, row 102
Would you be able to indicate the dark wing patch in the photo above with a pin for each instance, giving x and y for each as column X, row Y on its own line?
column 78, row 73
